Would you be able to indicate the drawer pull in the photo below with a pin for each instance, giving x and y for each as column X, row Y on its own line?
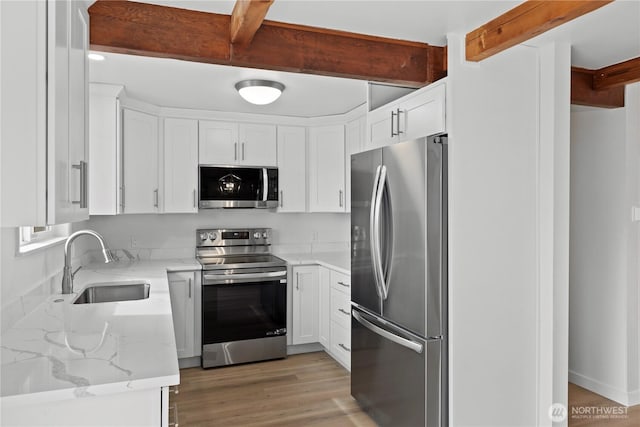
column 344, row 347
column 344, row 284
column 344, row 312
column 174, row 389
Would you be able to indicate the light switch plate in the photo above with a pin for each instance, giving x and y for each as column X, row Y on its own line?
column 635, row 213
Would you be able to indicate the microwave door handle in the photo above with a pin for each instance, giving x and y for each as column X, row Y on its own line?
column 265, row 184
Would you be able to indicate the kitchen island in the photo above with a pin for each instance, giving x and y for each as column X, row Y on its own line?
column 94, row 364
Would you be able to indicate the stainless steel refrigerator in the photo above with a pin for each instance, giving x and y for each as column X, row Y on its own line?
column 399, row 282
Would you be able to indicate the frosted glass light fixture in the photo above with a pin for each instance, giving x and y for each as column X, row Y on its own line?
column 259, row 92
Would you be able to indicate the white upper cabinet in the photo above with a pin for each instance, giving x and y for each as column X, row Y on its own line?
column 44, row 112
column 257, row 145
column 423, row 114
column 326, row 169
column 218, row 143
column 420, row 114
column 140, row 162
column 105, row 147
column 228, row 143
column 292, row 173
column 354, row 141
column 180, row 165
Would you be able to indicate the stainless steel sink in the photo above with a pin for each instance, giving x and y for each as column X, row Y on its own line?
column 113, row 291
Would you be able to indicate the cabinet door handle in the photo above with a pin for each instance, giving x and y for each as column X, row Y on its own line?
column 345, row 347
column 297, row 281
column 156, row 198
column 194, row 197
column 344, row 284
column 393, row 114
column 235, row 151
column 398, row 121
column 122, row 197
column 82, row 167
column 343, row 311
column 340, row 193
column 190, row 283
column 243, row 151
column 281, row 198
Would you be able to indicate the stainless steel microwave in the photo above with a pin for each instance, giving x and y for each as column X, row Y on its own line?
column 237, row 187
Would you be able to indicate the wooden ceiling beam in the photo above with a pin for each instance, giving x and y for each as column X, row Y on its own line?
column 583, row 93
column 160, row 31
column 246, row 18
column 523, row 22
column 617, row 75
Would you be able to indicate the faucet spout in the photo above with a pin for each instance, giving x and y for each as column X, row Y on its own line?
column 67, row 274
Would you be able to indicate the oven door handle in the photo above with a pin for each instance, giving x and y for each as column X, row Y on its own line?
column 242, row 277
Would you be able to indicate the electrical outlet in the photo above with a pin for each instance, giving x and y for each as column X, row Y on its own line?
column 314, row 236
column 134, row 242
column 635, row 214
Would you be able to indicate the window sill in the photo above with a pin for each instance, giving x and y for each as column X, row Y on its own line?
column 39, row 246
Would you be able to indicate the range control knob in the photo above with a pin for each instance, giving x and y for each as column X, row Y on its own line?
column 264, row 235
column 203, row 236
column 213, row 236
column 257, row 235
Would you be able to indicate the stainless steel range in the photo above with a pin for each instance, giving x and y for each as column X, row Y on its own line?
column 244, row 297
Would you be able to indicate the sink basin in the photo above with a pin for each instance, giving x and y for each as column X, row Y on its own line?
column 113, row 291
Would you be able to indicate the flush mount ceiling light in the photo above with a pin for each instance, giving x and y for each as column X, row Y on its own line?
column 95, row 57
column 259, row 92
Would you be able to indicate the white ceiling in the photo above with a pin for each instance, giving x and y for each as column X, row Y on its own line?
column 606, row 36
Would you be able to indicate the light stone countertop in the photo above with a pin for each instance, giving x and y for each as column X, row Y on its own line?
column 65, row 351
column 339, row 261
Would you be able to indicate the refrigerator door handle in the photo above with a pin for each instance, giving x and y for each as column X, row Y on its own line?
column 377, row 259
column 373, row 231
column 412, row 345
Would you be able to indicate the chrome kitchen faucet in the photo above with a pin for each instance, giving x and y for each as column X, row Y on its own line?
column 67, row 276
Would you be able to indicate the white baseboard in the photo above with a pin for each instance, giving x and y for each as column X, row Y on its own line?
column 189, row 362
column 304, row 348
column 613, row 393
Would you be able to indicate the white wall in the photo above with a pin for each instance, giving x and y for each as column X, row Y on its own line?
column 503, row 220
column 174, row 235
column 27, row 279
column 603, row 349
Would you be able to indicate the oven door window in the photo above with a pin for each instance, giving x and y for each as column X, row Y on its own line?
column 243, row 311
column 218, row 183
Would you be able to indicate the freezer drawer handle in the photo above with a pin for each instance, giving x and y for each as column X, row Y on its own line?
column 412, row 345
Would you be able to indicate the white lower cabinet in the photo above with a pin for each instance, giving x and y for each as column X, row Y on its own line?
column 185, row 291
column 131, row 408
column 305, row 305
column 340, row 289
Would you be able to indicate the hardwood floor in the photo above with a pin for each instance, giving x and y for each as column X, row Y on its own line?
column 303, row 390
column 584, row 401
column 313, row 390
